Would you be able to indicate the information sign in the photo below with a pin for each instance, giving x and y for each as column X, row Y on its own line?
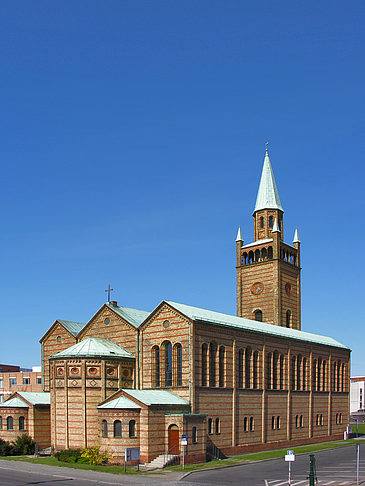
column 131, row 454
column 289, row 453
column 290, row 458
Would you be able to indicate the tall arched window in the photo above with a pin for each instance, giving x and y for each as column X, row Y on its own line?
column 240, row 368
column 314, row 374
column 270, row 253
column 293, row 372
column 269, row 370
column 288, row 318
column 117, row 428
column 319, row 374
column 217, row 426
column 221, row 366
column 245, row 424
column 244, row 259
column 255, row 372
column 335, row 376
column 168, row 364
column 250, row 257
column 21, row 423
column 299, row 370
column 178, row 358
column 104, row 428
column 271, row 221
column 262, row 222
column 281, row 372
column 343, row 378
column 324, row 370
column 9, row 423
column 204, row 364
column 194, row 434
column 132, row 428
column 275, row 370
column 258, row 315
column 248, row 355
column 304, row 379
column 212, row 364
column 257, row 255
column 156, row 366
column 210, row 426
column 252, row 424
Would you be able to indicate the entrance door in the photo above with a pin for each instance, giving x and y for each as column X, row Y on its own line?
column 174, row 446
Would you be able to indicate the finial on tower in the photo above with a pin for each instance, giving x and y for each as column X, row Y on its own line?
column 296, row 236
column 275, row 228
column 267, row 150
column 239, row 234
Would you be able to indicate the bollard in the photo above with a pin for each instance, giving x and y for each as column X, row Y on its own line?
column 312, row 470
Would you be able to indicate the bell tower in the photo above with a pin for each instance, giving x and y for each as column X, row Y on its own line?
column 268, row 270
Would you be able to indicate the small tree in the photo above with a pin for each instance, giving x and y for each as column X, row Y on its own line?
column 23, row 445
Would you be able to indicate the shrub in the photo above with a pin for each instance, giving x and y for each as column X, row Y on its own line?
column 6, row 448
column 69, row 455
column 23, row 445
column 95, row 456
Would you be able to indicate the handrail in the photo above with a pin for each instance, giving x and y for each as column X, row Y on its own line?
column 169, row 452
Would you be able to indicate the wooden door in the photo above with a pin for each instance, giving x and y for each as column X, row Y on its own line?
column 174, row 446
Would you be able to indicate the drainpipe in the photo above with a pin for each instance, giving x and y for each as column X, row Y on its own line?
column 190, row 364
column 42, row 360
column 138, row 377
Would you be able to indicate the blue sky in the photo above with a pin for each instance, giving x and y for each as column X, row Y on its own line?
column 132, row 141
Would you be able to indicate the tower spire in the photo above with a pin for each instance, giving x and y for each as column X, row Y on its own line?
column 267, row 195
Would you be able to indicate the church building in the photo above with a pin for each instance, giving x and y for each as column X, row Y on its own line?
column 137, row 378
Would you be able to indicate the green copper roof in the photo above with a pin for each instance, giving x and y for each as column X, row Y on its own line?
column 267, row 196
column 73, row 327
column 156, row 397
column 195, row 313
column 15, row 402
column 34, row 398
column 97, row 347
column 120, row 402
column 133, row 316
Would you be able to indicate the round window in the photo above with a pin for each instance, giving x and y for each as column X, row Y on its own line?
column 107, row 320
column 59, row 339
column 166, row 324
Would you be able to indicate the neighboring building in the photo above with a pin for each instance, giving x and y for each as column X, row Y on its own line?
column 357, row 394
column 15, row 378
column 130, row 377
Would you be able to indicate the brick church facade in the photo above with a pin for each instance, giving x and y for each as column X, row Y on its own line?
column 134, row 378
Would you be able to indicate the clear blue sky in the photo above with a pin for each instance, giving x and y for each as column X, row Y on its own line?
column 132, row 141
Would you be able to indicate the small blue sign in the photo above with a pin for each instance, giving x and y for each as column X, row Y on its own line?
column 290, row 453
column 185, row 437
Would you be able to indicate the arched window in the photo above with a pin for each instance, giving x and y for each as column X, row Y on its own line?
column 304, row 378
column 204, row 364
column 250, row 257
column 273, row 423
column 168, row 364
column 278, row 423
column 271, row 221
column 104, row 428
column 117, row 428
column 244, row 259
column 293, row 372
column 156, row 366
column 1, row 423
column 275, row 371
column 269, row 370
column 132, row 428
column 324, row 370
column 178, row 358
column 297, row 421
column 343, row 377
column 252, row 424
column 210, row 426
column 240, row 368
column 21, row 423
column 248, row 355
column 270, row 253
column 258, row 315
column 217, row 426
column 335, row 376
column 262, row 222
column 319, row 374
column 339, row 376
column 281, row 372
column 314, row 374
column 301, row 422
column 9, row 423
column 257, row 255
column 245, row 424
column 299, row 369
column 264, row 254
column 221, row 366
column 212, row 364
column 288, row 318
column 255, row 366
column 194, row 435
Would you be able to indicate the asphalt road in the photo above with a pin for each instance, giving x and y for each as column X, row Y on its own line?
column 334, row 467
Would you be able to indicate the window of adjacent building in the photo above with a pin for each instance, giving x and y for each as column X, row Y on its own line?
column 194, row 435
column 132, row 428
column 21, row 423
column 217, row 426
column 210, row 426
column 258, row 315
column 204, row 364
column 39, row 380
column 9, row 423
column 168, row 364
column 26, row 381
column 104, row 428
column 12, row 382
column 117, row 428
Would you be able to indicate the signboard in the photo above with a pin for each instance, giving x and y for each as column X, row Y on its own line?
column 184, row 440
column 290, row 453
column 349, row 430
column 290, row 458
column 131, row 454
